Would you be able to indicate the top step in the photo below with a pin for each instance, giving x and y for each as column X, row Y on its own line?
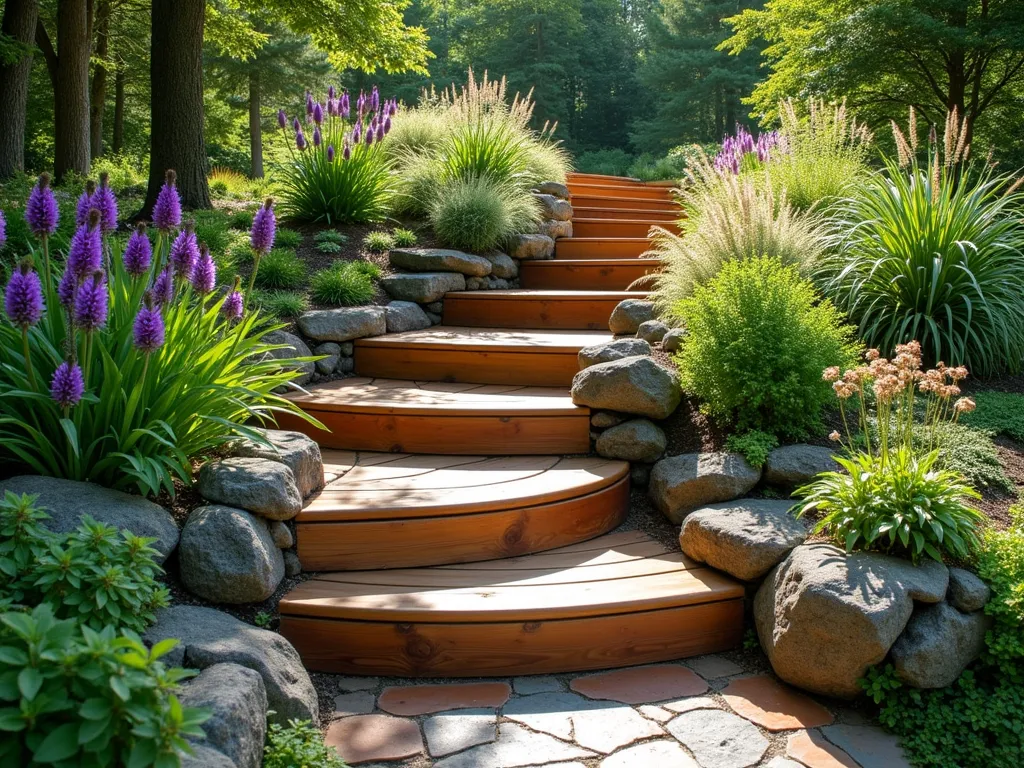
column 621, row 190
column 601, row 178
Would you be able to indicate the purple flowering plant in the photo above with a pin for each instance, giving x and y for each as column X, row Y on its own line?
column 128, row 360
column 742, row 152
column 337, row 171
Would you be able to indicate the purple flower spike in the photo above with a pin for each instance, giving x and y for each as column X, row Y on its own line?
column 369, row 138
column 90, row 309
column 106, row 203
column 85, row 254
column 23, row 300
column 185, row 251
column 41, row 211
column 148, row 328
column 387, row 126
column 346, row 151
column 233, row 306
column 3, row 231
column 167, row 210
column 393, row 108
column 318, row 113
column 68, row 385
column 374, row 99
column 163, row 288
column 282, row 119
column 204, row 276
column 317, row 137
column 380, row 133
column 86, row 202
column 66, row 289
column 331, row 92
column 330, row 153
column 138, row 254
column 345, row 105
column 309, row 104
column 357, row 133
column 300, row 140
column 296, row 125
column 264, row 227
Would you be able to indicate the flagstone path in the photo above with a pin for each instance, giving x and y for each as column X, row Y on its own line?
column 706, row 712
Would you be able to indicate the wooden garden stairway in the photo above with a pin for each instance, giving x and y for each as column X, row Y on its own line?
column 463, row 531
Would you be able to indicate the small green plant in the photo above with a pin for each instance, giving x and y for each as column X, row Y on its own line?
column 242, row 220
column 298, row 744
column 263, row 619
column 330, row 236
column 404, row 238
column 969, row 452
column 72, row 695
column 328, row 247
column 343, row 284
column 214, row 229
column 281, row 269
column 284, row 305
column 758, row 339
column 754, row 445
column 999, row 412
column 478, row 214
column 288, row 238
column 379, row 242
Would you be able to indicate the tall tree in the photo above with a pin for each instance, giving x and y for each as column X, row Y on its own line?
column 17, row 33
column 98, row 88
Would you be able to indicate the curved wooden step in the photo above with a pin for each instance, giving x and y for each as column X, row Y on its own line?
column 525, row 308
column 587, row 274
column 625, row 201
column 601, row 247
column 600, row 178
column 642, row 191
column 396, row 511
column 615, row 600
column 543, row 358
column 624, row 227
column 366, row 414
column 636, row 214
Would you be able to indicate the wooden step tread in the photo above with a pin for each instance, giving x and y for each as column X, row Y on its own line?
column 442, row 337
column 625, row 200
column 655, row 215
column 616, row 274
column 552, row 294
column 368, row 486
column 528, row 308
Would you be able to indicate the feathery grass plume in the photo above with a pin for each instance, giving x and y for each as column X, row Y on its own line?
column 478, row 214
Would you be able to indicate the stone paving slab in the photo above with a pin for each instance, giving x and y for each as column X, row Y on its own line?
column 425, row 699
column 365, row 738
column 655, row 713
column 711, row 667
column 459, row 729
column 641, row 685
column 719, row 739
column 356, row 703
column 656, row 754
column 357, row 683
column 869, row 745
column 768, row 703
column 516, row 746
column 688, row 705
column 812, row 750
column 537, row 684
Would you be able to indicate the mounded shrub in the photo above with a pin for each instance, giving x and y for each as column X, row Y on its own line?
column 478, row 214
column 344, row 284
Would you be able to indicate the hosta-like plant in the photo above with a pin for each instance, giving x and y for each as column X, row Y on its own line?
column 130, row 362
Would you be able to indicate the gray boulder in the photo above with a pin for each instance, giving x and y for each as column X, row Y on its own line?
column 206, row 757
column 605, row 419
column 745, row 538
column 209, row 637
column 794, row 465
column 967, row 592
column 555, row 188
column 673, row 340
column 553, row 208
column 652, row 331
column 263, row 486
column 636, row 385
column 281, row 534
column 292, row 564
column 423, row 287
column 636, row 440
column 612, row 350
column 330, row 354
column 343, row 323
column 237, row 700
column 299, row 452
column 824, row 617
column 640, row 475
column 347, row 348
column 502, row 265
column 629, row 314
column 532, row 246
column 293, row 347
column 681, row 484
column 555, row 229
column 65, row 501
column 938, row 644
column 346, row 365
column 405, row 316
column 227, row 555
column 440, row 260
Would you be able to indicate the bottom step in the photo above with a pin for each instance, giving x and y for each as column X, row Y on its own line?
column 617, row 600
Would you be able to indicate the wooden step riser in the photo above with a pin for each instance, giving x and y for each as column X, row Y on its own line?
column 629, row 203
column 654, row 216
column 554, row 275
column 540, row 369
column 463, row 435
column 612, row 248
column 427, row 541
column 600, row 178
column 502, row 649
column 612, row 228
column 590, row 315
column 615, row 191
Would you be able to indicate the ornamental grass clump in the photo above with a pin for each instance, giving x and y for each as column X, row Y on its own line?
column 132, row 362
column 478, row 214
column 893, row 497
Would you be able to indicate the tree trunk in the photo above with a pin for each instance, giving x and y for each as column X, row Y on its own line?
column 71, row 90
column 255, row 126
column 176, row 77
column 117, row 141
column 19, row 23
column 98, row 92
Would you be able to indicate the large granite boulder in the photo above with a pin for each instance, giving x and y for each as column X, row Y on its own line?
column 343, row 323
column 553, row 208
column 794, row 465
column 330, row 355
column 636, row 440
column 556, row 188
column 673, row 340
column 206, row 757
column 967, row 592
column 938, row 644
column 637, row 385
column 502, row 265
column 824, row 617
column 745, row 538
column 405, row 316
column 439, row 260
column 227, row 555
column 555, row 229
column 291, row 347
column 531, row 246
column 294, row 449
column 652, row 331
column 237, row 701
column 66, row 501
column 264, row 486
column 681, row 484
column 629, row 314
column 211, row 637
column 424, row 287
column 612, row 350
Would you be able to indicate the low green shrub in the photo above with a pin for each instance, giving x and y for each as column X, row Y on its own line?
column 404, row 238
column 478, row 214
column 758, row 340
column 284, row 305
column 330, row 236
column 328, row 247
column 755, row 446
column 970, row 453
column 242, row 219
column 213, row 228
column 300, row 744
column 343, row 284
column 72, row 695
column 281, row 269
column 379, row 242
column 999, row 412
column 288, row 238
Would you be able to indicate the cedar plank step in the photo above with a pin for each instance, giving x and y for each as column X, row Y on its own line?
column 636, row 214
column 601, row 178
column 641, row 203
column 616, row 191
column 582, row 310
column 367, row 414
column 624, row 227
column 585, row 274
column 601, row 247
